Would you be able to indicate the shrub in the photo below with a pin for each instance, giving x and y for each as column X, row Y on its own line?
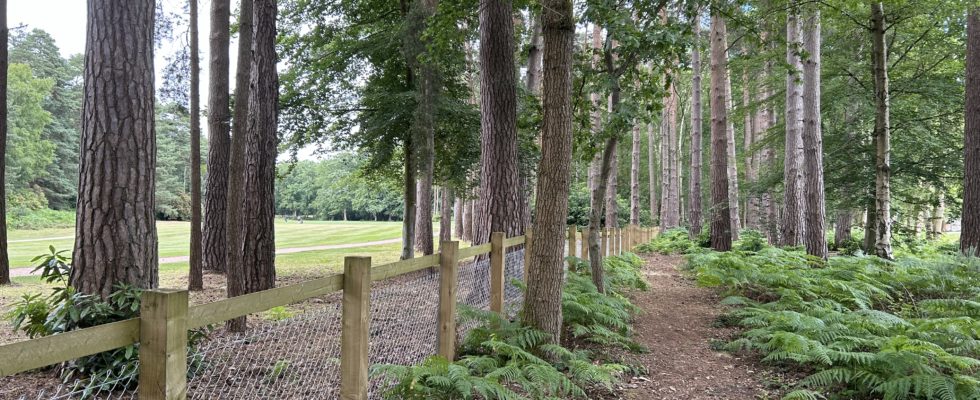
column 22, row 218
column 674, row 241
column 863, row 326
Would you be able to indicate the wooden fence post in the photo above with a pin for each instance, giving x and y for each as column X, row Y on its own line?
column 629, row 236
column 354, row 328
column 163, row 344
column 585, row 243
column 497, row 272
column 572, row 230
column 447, row 299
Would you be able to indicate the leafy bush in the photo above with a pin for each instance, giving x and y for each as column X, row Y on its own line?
column 750, row 240
column 503, row 359
column 65, row 309
column 863, row 326
column 674, row 241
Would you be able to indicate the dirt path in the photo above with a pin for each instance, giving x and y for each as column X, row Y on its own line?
column 677, row 324
column 164, row 260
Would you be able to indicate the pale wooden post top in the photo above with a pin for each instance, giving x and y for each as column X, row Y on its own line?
column 163, row 344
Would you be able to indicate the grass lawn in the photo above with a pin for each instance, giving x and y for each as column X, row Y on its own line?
column 174, row 237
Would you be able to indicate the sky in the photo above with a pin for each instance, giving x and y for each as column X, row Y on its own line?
column 65, row 20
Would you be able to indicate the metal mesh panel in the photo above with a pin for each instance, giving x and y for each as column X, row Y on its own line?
column 513, row 271
column 404, row 315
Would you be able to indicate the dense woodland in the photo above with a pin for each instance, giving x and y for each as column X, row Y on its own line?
column 833, row 127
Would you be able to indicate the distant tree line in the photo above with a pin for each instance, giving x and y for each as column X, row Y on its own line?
column 336, row 188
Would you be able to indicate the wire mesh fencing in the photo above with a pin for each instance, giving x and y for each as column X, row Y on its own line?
column 297, row 356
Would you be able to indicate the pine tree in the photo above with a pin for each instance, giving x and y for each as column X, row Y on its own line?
column 792, row 225
column 195, row 278
column 970, row 237
column 721, row 228
column 815, row 238
column 215, row 234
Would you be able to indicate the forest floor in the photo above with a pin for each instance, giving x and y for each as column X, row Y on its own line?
column 678, row 324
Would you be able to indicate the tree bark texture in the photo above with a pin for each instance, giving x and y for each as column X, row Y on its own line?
column 446, row 215
column 732, row 167
column 970, row 236
column 694, row 182
column 635, row 176
column 814, row 236
column 195, row 280
column 670, row 216
column 117, row 244
column 721, row 221
column 215, row 245
column 883, row 228
column 842, row 227
column 534, row 54
column 792, row 225
column 458, row 216
column 425, row 124
column 543, row 308
column 651, row 173
column 258, row 230
column 411, row 199
column 236, row 163
column 596, row 115
column 4, row 38
column 467, row 232
column 612, row 191
column 501, row 194
column 751, row 210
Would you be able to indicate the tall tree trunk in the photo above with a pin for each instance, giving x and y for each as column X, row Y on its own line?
column 635, row 176
column 446, row 215
column 883, row 229
column 732, row 167
column 533, row 76
column 694, row 193
column 842, row 227
column 258, row 231
column 117, row 244
column 215, row 246
column 792, row 226
column 501, row 194
column 670, row 177
column 596, row 115
column 458, row 216
column 544, row 291
column 938, row 217
column 815, row 237
column 721, row 220
column 468, row 220
column 411, row 199
column 4, row 34
column 651, row 175
column 970, row 236
column 195, row 279
column 612, row 191
column 236, row 163
column 869, row 226
column 751, row 156
column 425, row 122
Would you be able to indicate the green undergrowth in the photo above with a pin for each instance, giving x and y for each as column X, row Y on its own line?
column 503, row 359
column 860, row 327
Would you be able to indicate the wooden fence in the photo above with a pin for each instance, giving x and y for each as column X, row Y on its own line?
column 165, row 315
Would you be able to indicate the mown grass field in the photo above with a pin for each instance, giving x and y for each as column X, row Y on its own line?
column 174, row 237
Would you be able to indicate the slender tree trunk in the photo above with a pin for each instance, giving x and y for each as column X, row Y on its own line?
column 236, row 167
column 732, row 167
column 842, row 227
column 651, row 175
column 411, row 199
column 596, row 116
column 883, row 235
column 694, row 194
column 258, row 232
column 544, row 291
column 215, row 245
column 196, row 275
column 468, row 219
column 533, row 76
column 792, row 226
column 458, row 216
column 815, row 236
column 721, row 220
column 446, row 215
column 612, row 191
column 424, row 125
column 4, row 34
column 117, row 244
column 501, row 194
column 869, row 226
column 670, row 178
column 751, row 173
column 970, row 236
column 938, row 217
column 635, row 176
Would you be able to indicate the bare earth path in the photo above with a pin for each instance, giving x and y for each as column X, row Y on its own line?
column 164, row 260
column 677, row 325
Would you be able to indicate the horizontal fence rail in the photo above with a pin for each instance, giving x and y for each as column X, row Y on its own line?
column 167, row 318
